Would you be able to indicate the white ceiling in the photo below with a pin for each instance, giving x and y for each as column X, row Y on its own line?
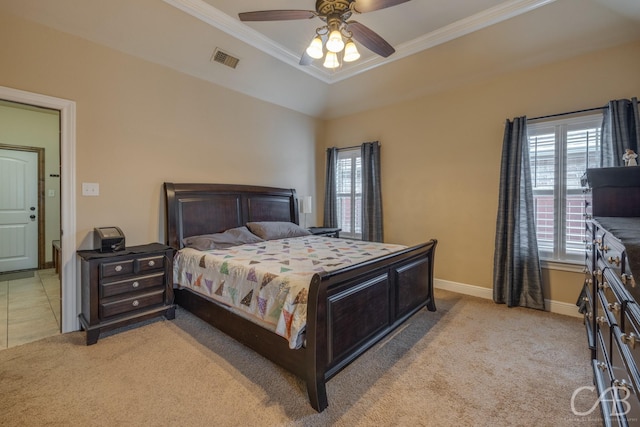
column 439, row 43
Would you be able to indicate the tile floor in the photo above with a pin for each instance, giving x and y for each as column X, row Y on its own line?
column 29, row 308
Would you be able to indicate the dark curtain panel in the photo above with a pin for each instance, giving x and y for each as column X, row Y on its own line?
column 517, row 279
column 330, row 199
column 620, row 131
column 371, row 193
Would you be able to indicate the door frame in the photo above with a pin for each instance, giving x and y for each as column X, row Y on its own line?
column 41, row 213
column 70, row 291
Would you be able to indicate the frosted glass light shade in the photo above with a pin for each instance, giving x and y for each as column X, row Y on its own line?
column 335, row 43
column 331, row 61
column 315, row 48
column 351, row 52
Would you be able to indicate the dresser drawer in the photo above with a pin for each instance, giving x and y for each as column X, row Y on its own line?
column 612, row 253
column 125, row 305
column 613, row 280
column 610, row 296
column 602, row 377
column 605, row 317
column 589, row 313
column 117, row 268
column 134, row 284
column 149, row 264
column 630, row 332
column 624, row 380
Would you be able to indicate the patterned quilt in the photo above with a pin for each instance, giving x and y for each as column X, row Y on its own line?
column 268, row 282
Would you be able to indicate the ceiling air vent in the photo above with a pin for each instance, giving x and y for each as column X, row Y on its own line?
column 224, row 58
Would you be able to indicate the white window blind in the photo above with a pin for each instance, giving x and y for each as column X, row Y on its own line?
column 349, row 192
column 561, row 150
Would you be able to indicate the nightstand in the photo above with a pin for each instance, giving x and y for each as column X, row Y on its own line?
column 125, row 287
column 325, row 231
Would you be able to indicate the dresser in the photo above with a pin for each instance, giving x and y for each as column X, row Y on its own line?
column 610, row 295
column 125, row 287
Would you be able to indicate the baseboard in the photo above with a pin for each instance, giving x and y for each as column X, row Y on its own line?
column 558, row 307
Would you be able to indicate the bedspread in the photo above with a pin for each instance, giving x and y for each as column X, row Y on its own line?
column 268, row 282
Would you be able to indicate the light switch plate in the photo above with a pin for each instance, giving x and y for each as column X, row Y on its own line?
column 90, row 189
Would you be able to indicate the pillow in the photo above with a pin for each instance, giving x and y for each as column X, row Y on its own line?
column 227, row 239
column 271, row 230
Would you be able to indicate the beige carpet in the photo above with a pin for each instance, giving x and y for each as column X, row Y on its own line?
column 471, row 363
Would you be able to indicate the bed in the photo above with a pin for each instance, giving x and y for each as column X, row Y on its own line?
column 348, row 310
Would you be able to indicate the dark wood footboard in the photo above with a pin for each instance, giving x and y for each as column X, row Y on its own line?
column 350, row 310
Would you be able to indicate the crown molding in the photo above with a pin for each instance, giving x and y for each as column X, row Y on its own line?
column 220, row 20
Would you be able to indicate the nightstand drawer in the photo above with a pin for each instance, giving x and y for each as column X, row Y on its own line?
column 113, row 308
column 135, row 284
column 120, row 268
column 149, row 263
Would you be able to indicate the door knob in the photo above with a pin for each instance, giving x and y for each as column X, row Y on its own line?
column 32, row 217
column 32, row 208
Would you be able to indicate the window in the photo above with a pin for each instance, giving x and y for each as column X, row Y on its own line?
column 560, row 151
column 349, row 192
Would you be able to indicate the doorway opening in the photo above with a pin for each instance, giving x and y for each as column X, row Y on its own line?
column 30, row 303
column 67, row 140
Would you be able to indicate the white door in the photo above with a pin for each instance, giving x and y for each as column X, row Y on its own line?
column 18, row 210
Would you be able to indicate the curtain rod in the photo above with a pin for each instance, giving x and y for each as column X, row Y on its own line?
column 570, row 112
column 353, row 147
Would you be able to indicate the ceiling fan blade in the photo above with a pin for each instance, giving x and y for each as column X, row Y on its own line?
column 305, row 59
column 363, row 6
column 369, row 39
column 276, row 15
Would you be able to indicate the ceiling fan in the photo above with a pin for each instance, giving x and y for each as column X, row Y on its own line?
column 338, row 28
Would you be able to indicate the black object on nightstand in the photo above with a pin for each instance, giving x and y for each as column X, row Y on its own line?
column 125, row 287
column 325, row 231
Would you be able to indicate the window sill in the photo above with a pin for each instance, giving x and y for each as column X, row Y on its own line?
column 571, row 266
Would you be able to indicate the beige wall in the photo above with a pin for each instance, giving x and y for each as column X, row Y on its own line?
column 441, row 156
column 37, row 127
column 140, row 124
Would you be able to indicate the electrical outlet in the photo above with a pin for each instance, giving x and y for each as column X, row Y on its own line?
column 90, row 189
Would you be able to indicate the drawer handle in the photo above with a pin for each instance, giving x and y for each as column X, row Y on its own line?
column 135, row 303
column 152, row 263
column 627, row 278
column 623, row 385
column 603, row 286
column 604, row 248
column 598, row 274
column 601, row 320
column 615, row 307
column 118, row 268
column 615, row 260
column 135, row 284
column 602, row 366
column 589, row 315
column 629, row 339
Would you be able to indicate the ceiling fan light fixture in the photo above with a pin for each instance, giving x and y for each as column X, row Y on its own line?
column 335, row 43
column 331, row 61
column 315, row 48
column 351, row 52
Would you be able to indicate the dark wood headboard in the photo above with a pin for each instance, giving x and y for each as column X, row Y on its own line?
column 196, row 209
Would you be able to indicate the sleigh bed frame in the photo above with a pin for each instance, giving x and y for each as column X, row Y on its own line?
column 348, row 310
